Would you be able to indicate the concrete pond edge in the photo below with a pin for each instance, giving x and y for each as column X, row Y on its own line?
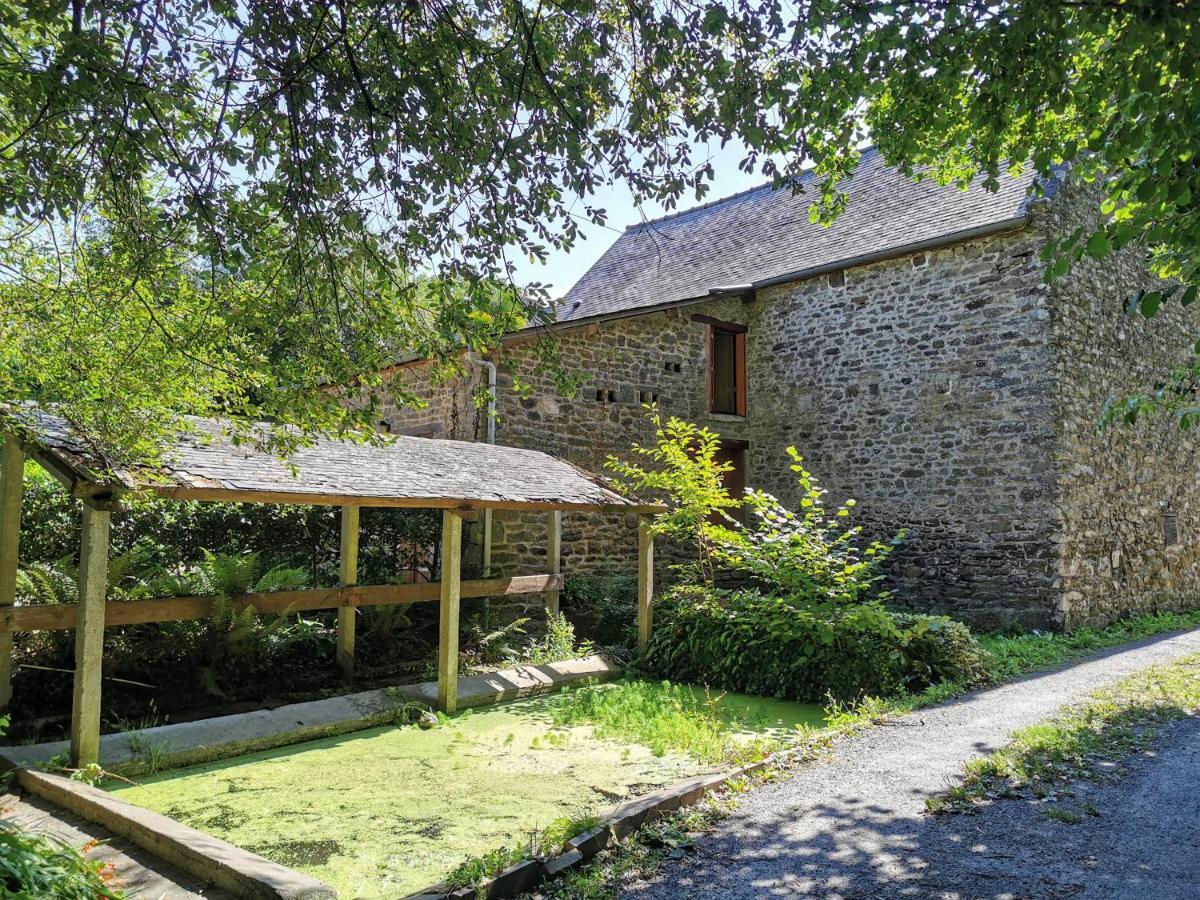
column 622, row 821
column 217, row 862
column 210, row 859
column 173, row 746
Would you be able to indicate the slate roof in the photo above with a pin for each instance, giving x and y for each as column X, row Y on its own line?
column 764, row 234
column 203, row 464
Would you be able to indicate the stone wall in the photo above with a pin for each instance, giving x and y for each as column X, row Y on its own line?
column 952, row 393
column 918, row 386
column 1116, row 485
column 445, row 402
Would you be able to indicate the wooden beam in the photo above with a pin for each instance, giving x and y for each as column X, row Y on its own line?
column 732, row 327
column 554, row 558
column 645, row 580
column 89, row 637
column 63, row 616
column 348, row 576
column 450, row 595
column 12, row 471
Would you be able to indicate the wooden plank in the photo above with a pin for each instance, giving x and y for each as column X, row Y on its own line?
column 739, row 377
column 348, row 576
column 174, row 609
column 732, row 327
column 450, row 595
column 89, row 637
column 554, row 558
column 645, row 580
column 12, row 472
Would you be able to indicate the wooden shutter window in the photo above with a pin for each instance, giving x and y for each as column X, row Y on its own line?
column 726, row 371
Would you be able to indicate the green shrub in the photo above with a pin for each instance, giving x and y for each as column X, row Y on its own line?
column 809, row 553
column 780, row 646
column 34, row 866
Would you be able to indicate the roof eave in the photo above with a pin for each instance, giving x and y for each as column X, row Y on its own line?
column 1015, row 223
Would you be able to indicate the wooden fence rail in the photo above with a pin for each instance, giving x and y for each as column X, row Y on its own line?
column 174, row 609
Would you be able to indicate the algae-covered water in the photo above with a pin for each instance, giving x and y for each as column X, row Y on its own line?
column 386, row 811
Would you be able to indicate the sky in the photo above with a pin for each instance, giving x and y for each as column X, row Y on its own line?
column 564, row 267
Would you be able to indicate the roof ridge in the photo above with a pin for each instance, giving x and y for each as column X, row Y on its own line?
column 805, row 175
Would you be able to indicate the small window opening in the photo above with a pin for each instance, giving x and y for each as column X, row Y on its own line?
column 603, row 395
column 384, row 427
column 648, row 397
column 672, row 367
column 1170, row 529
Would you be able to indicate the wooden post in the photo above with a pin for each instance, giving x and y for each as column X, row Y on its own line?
column 645, row 581
column 348, row 575
column 12, row 469
column 89, row 637
column 554, row 557
column 451, row 590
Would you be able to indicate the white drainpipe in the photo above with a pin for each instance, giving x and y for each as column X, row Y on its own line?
column 491, row 439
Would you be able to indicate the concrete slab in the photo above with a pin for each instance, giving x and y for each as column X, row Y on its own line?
column 140, row 873
column 206, row 858
column 188, row 743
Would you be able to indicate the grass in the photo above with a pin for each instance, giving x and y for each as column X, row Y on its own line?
column 655, row 844
column 721, row 728
column 1007, row 657
column 1014, row 655
column 546, row 842
column 1086, row 741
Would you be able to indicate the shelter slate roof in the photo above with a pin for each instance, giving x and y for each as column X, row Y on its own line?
column 764, row 233
column 204, row 464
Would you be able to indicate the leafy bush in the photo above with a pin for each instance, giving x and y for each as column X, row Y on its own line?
column 38, row 867
column 775, row 645
column 683, row 472
column 808, row 554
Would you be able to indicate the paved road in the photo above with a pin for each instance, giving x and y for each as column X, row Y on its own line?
column 144, row 876
column 855, row 826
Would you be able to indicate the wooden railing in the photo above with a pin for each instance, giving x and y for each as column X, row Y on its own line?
column 174, row 609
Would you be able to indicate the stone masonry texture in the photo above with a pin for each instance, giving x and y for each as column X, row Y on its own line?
column 952, row 393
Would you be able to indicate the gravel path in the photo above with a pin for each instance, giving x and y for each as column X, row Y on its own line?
column 855, row 826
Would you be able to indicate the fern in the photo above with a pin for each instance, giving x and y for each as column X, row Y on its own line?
column 46, row 584
column 226, row 575
column 282, row 578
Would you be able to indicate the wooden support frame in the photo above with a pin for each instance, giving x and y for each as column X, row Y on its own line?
column 645, row 580
column 64, row 616
column 89, row 637
column 85, row 478
column 450, row 597
column 12, row 474
column 554, row 558
column 347, row 577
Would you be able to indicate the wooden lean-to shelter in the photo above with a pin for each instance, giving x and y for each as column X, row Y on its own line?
column 205, row 464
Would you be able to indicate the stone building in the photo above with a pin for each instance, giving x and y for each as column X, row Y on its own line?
column 916, row 356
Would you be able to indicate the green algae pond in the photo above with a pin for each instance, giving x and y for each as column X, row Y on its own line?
column 386, row 811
